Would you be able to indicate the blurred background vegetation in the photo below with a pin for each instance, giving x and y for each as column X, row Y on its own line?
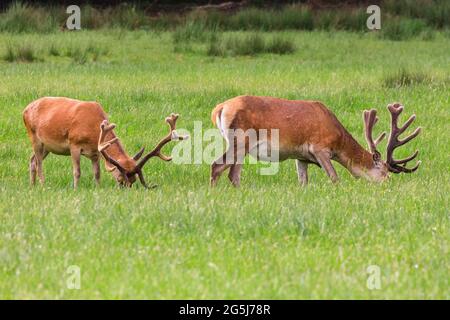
column 400, row 18
column 208, row 26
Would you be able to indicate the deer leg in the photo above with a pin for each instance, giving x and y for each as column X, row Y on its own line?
column 233, row 158
column 217, row 167
column 39, row 155
column 302, row 172
column 235, row 174
column 324, row 160
column 33, row 170
column 96, row 169
column 75, row 153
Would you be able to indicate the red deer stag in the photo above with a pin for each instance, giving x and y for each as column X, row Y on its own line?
column 309, row 133
column 72, row 127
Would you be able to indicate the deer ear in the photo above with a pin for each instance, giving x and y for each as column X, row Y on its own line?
column 138, row 155
column 376, row 156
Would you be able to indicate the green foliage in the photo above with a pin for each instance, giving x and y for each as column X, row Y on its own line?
column 290, row 17
column 192, row 31
column 404, row 77
column 122, row 16
column 54, row 50
column 436, row 13
column 19, row 53
column 402, row 29
column 279, row 45
column 33, row 18
column 249, row 45
column 25, row 18
column 428, row 34
column 81, row 55
column 245, row 45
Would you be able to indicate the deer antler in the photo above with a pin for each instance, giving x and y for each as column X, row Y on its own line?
column 106, row 127
column 156, row 152
column 370, row 119
column 397, row 166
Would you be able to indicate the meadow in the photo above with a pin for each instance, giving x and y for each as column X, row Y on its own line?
column 269, row 239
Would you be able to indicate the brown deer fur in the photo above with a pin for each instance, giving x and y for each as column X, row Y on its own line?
column 308, row 132
column 66, row 126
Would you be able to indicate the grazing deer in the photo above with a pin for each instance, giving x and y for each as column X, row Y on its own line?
column 309, row 133
column 72, row 127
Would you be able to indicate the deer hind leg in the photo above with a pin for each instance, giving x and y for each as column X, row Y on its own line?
column 324, row 159
column 240, row 151
column 218, row 167
column 233, row 158
column 75, row 153
column 96, row 168
column 36, row 163
column 33, row 170
column 302, row 172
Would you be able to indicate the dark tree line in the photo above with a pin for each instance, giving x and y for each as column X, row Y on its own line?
column 168, row 5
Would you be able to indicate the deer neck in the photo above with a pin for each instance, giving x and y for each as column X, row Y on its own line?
column 354, row 157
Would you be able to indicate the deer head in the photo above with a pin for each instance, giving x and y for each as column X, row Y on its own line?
column 125, row 170
column 382, row 168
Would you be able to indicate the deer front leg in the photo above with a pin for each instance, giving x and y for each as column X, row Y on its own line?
column 235, row 174
column 75, row 153
column 302, row 172
column 324, row 159
column 96, row 169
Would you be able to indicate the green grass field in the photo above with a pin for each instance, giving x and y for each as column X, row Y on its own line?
column 268, row 239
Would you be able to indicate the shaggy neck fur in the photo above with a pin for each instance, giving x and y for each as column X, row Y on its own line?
column 354, row 157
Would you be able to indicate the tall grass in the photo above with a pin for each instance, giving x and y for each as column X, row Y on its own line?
column 20, row 53
column 402, row 29
column 291, row 17
column 404, row 77
column 192, row 31
column 27, row 18
column 270, row 238
column 249, row 45
column 83, row 54
column 123, row 16
column 280, row 45
column 79, row 53
column 435, row 13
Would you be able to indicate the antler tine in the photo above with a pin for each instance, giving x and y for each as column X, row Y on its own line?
column 407, row 159
column 394, row 142
column 106, row 127
column 380, row 138
column 172, row 135
column 410, row 137
column 370, row 119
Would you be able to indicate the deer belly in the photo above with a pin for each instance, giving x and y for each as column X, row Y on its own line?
column 303, row 152
column 59, row 149
column 265, row 151
column 56, row 147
